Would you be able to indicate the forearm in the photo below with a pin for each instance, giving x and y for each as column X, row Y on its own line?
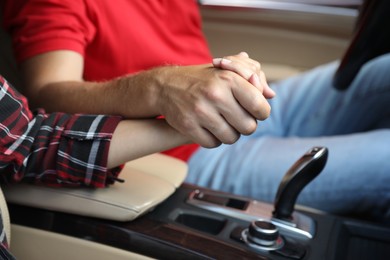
column 136, row 138
column 54, row 81
column 116, row 97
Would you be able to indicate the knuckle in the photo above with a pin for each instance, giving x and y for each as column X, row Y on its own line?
column 249, row 127
column 187, row 124
column 258, row 65
column 215, row 94
column 262, row 74
column 260, row 108
column 210, row 142
column 255, row 66
column 232, row 139
column 227, row 134
column 265, row 110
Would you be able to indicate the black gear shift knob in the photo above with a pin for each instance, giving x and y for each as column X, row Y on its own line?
column 297, row 177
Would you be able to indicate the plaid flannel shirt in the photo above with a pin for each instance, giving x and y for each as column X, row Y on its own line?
column 54, row 149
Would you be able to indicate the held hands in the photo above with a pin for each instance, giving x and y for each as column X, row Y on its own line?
column 216, row 104
column 248, row 69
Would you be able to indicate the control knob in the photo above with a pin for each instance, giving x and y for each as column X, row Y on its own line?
column 263, row 235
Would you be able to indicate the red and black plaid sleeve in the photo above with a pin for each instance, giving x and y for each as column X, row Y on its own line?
column 55, row 149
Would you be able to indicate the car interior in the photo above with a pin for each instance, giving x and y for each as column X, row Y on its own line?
column 154, row 214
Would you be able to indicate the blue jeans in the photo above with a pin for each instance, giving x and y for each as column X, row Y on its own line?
column 307, row 111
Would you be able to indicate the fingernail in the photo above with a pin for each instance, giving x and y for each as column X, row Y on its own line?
column 217, row 61
column 225, row 61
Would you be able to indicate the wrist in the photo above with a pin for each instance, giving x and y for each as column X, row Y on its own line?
column 161, row 85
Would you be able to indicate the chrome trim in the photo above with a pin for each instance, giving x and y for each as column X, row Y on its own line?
column 278, row 244
column 285, row 6
column 301, row 225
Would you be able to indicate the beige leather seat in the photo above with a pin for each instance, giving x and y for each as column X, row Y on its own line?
column 5, row 216
column 148, row 182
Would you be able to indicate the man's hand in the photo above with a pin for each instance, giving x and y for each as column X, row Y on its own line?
column 208, row 105
column 212, row 105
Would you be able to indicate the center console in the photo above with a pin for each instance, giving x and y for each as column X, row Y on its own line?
column 198, row 223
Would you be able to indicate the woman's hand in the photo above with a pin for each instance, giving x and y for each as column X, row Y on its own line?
column 247, row 68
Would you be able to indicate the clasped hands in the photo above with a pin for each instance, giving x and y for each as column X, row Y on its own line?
column 214, row 104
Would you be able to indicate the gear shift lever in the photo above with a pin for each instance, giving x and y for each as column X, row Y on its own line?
column 297, row 177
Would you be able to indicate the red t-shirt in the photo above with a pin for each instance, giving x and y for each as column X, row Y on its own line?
column 115, row 37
